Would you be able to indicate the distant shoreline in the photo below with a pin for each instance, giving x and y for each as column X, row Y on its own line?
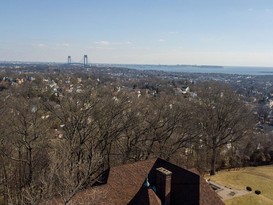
column 265, row 72
column 202, row 69
column 181, row 68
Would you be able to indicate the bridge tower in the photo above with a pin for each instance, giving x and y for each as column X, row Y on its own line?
column 85, row 60
column 69, row 59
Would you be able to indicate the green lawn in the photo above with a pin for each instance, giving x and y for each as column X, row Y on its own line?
column 258, row 178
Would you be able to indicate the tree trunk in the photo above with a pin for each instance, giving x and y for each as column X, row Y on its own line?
column 213, row 162
column 5, row 184
column 30, row 171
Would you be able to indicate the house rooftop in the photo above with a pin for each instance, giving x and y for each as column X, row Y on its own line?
column 127, row 184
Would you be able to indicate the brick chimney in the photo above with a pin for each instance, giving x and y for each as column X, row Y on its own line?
column 163, row 185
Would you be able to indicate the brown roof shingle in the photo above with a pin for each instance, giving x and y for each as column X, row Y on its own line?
column 125, row 181
column 125, row 186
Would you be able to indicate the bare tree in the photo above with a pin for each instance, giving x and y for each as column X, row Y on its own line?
column 135, row 141
column 111, row 118
column 76, row 157
column 171, row 123
column 23, row 143
column 162, row 126
column 222, row 117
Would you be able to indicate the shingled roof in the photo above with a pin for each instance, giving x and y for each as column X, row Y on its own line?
column 125, row 181
column 126, row 185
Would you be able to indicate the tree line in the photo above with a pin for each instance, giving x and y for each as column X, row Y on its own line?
column 53, row 146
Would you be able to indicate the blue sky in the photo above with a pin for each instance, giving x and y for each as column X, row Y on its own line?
column 217, row 32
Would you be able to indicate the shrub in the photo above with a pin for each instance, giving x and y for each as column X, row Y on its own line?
column 257, row 192
column 248, row 188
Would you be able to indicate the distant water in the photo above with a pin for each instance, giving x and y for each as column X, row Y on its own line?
column 204, row 69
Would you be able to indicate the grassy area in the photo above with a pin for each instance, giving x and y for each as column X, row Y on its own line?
column 258, row 178
column 250, row 199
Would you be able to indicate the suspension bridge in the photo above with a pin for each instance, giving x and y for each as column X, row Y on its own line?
column 83, row 61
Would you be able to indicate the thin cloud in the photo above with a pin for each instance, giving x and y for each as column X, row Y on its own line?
column 102, row 43
column 63, row 44
column 161, row 40
column 122, row 43
column 128, row 42
column 108, row 43
column 100, row 47
column 40, row 45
